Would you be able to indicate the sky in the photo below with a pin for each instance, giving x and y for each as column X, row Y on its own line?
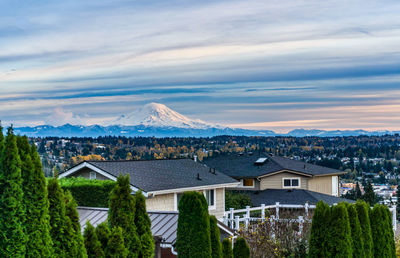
column 268, row 64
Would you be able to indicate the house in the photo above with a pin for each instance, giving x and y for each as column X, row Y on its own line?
column 162, row 181
column 269, row 179
column 164, row 225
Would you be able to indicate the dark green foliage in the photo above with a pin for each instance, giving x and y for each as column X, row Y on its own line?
column 236, row 200
column 12, row 210
column 241, row 248
column 92, row 244
column 319, row 231
column 103, row 233
column 369, row 195
column 193, row 234
column 37, row 225
column 339, row 243
column 115, row 246
column 143, row 227
column 358, row 191
column 227, row 251
column 357, row 241
column 122, row 214
column 363, row 216
column 88, row 192
column 77, row 248
column 382, row 233
column 215, row 238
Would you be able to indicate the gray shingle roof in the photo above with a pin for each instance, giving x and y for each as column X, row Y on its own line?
column 156, row 175
column 295, row 196
column 243, row 166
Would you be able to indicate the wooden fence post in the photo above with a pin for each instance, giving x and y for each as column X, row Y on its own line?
column 301, row 221
column 231, row 217
column 277, row 210
column 237, row 222
column 262, row 212
column 306, row 209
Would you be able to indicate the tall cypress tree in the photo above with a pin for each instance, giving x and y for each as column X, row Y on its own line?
column 381, row 232
column 366, row 236
column 115, row 246
column 227, row 251
column 36, row 202
column 241, row 248
column 357, row 241
column 12, row 210
column 193, row 234
column 78, row 246
column 122, row 214
column 92, row 244
column 319, row 231
column 103, row 233
column 143, row 226
column 339, row 232
column 215, row 238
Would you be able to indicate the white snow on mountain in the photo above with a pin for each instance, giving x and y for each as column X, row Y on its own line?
column 159, row 115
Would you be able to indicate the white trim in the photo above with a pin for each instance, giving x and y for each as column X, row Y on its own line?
column 98, row 170
column 194, row 188
column 291, row 178
column 285, row 171
column 335, row 186
column 212, row 207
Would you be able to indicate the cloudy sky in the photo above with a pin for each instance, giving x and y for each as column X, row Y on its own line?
column 256, row 64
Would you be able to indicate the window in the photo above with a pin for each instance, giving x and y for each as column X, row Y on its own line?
column 210, row 197
column 291, row 182
column 92, row 175
column 248, row 182
column 178, row 198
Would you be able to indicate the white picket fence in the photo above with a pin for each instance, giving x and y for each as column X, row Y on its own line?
column 233, row 221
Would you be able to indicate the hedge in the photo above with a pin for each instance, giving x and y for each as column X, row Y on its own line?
column 88, row 192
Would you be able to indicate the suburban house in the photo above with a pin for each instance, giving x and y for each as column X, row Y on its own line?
column 270, row 179
column 162, row 181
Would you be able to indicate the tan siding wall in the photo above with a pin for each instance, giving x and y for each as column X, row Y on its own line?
column 164, row 202
column 220, row 203
column 275, row 181
column 321, row 184
column 85, row 172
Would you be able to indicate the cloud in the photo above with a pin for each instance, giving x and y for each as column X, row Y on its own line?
column 59, row 116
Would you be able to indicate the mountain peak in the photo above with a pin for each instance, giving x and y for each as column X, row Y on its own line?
column 159, row 115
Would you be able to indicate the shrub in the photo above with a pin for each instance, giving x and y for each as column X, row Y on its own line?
column 92, row 244
column 236, row 200
column 77, row 248
column 88, row 192
column 215, row 238
column 227, row 251
column 193, row 234
column 319, row 231
column 241, row 248
column 366, row 236
column 143, row 227
column 115, row 246
column 339, row 241
column 356, row 237
column 103, row 233
column 382, row 232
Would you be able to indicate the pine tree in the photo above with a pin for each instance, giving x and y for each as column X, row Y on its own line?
column 339, row 233
column 35, row 201
column 241, row 248
column 390, row 232
column 319, row 231
column 115, row 245
column 358, row 191
column 103, row 233
column 357, row 242
column 92, row 244
column 122, row 214
column 74, row 227
column 366, row 236
column 58, row 220
column 382, row 234
column 215, row 238
column 193, row 233
column 227, row 251
column 143, row 227
column 369, row 195
column 12, row 210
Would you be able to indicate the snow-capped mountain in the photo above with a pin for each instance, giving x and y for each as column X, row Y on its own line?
column 159, row 115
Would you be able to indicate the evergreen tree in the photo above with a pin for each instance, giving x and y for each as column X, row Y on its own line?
column 12, row 210
column 241, row 248
column 369, row 195
column 74, row 227
column 143, row 226
column 215, row 238
column 103, row 233
column 357, row 242
column 227, row 251
column 115, row 246
column 35, row 201
column 92, row 244
column 319, row 230
column 339, row 233
column 382, row 233
column 122, row 214
column 193, row 233
column 58, row 219
column 366, row 236
column 358, row 191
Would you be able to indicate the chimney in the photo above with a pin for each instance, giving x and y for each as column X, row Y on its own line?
column 198, row 176
column 210, row 170
column 195, row 158
column 304, row 166
column 215, row 172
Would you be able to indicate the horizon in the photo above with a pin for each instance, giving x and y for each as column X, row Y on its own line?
column 277, row 66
